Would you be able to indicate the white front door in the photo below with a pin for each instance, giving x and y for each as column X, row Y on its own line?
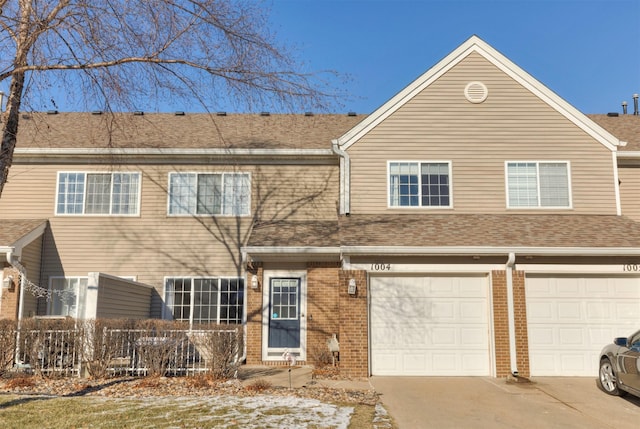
column 570, row 319
column 436, row 325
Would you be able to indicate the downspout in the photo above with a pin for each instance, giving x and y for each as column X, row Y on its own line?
column 511, row 314
column 345, row 177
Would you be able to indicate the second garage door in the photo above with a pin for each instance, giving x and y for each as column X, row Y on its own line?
column 570, row 319
column 435, row 325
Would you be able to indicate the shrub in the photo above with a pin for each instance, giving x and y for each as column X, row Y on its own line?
column 259, row 385
column 8, row 348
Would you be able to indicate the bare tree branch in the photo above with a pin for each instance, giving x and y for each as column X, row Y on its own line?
column 122, row 54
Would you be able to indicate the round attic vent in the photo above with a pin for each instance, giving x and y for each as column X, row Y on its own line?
column 476, row 92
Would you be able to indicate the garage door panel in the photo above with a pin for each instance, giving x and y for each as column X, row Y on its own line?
column 442, row 328
column 473, row 338
column 538, row 311
column 599, row 310
column 571, row 318
column 571, row 337
column 628, row 312
column 570, row 311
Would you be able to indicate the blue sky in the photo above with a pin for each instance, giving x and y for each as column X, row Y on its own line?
column 587, row 51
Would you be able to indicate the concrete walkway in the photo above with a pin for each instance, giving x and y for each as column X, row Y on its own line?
column 295, row 377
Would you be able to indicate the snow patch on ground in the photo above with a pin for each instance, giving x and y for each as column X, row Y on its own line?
column 266, row 412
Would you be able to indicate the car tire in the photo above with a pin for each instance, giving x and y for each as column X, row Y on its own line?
column 607, row 379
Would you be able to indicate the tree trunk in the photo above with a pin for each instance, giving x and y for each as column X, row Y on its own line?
column 10, row 131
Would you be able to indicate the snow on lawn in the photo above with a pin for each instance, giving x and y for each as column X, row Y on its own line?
column 264, row 411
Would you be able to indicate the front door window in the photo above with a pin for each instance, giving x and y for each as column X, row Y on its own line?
column 284, row 314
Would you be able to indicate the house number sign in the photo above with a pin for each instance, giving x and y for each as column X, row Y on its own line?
column 380, row 267
column 631, row 267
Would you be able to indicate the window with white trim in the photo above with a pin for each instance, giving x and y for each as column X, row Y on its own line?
column 420, row 184
column 210, row 194
column 537, row 184
column 205, row 300
column 65, row 293
column 81, row 193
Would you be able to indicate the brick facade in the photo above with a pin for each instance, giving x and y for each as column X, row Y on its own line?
column 323, row 310
column 322, row 315
column 10, row 296
column 331, row 310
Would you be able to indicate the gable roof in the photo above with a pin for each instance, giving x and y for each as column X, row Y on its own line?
column 475, row 44
column 15, row 234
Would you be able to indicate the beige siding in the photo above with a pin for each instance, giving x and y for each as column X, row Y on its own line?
column 512, row 124
column 630, row 191
column 123, row 299
column 31, row 260
column 153, row 246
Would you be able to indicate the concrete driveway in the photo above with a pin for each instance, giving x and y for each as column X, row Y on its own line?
column 479, row 402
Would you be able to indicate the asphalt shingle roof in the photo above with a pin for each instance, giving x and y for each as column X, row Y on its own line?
column 624, row 127
column 163, row 130
column 455, row 230
column 12, row 230
column 490, row 230
column 312, row 233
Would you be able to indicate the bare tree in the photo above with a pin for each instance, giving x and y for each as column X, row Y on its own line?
column 122, row 54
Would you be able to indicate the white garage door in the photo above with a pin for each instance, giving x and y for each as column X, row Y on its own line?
column 429, row 326
column 570, row 319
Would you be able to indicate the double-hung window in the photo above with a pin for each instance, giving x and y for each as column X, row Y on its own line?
column 205, row 300
column 537, row 184
column 81, row 193
column 210, row 194
column 420, row 184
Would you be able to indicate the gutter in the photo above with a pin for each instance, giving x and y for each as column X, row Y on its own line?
column 345, row 177
column 490, row 251
column 173, row 152
column 511, row 314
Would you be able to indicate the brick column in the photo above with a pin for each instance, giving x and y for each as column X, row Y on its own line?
column 354, row 339
column 254, row 315
column 501, row 323
column 522, row 335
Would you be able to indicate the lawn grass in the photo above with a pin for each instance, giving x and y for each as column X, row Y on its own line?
column 25, row 412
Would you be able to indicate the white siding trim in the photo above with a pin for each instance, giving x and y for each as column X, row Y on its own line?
column 616, row 183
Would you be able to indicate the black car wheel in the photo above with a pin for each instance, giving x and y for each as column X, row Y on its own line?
column 607, row 379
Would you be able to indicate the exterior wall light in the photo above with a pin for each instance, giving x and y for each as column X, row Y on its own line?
column 254, row 282
column 352, row 287
column 7, row 282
